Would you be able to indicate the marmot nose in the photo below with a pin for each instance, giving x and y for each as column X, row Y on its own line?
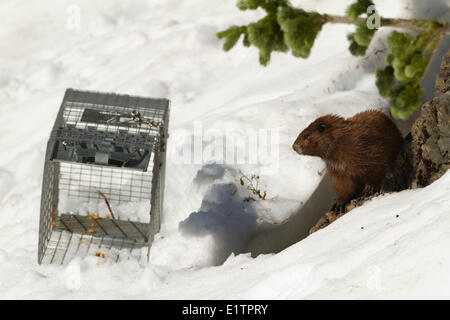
column 297, row 148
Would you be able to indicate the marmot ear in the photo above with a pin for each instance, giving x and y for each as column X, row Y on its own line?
column 321, row 127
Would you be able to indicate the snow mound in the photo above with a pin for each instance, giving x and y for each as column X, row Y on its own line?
column 394, row 246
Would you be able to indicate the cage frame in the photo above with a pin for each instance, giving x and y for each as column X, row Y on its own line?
column 51, row 220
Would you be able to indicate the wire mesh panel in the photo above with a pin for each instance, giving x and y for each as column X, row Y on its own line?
column 117, row 184
column 103, row 176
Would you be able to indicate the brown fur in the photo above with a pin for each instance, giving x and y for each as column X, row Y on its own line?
column 358, row 150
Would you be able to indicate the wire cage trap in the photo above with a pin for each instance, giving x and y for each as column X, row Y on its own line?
column 103, row 183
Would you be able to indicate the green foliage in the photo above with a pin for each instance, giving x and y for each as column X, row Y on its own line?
column 300, row 29
column 354, row 48
column 245, row 41
column 283, row 28
column 363, row 35
column 270, row 6
column 231, row 36
column 405, row 67
column 248, row 4
column 286, row 28
column 360, row 39
column 405, row 99
column 358, row 8
column 385, row 80
column 267, row 36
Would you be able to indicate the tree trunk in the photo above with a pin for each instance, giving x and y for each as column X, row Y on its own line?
column 430, row 146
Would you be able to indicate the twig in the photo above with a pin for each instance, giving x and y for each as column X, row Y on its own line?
column 138, row 119
column 107, row 204
column 254, row 189
column 433, row 53
column 412, row 24
column 439, row 33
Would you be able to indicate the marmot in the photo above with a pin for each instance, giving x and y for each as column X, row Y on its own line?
column 358, row 151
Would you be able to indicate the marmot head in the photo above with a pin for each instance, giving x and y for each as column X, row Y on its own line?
column 319, row 137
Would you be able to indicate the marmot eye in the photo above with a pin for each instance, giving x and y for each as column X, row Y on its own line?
column 306, row 136
column 321, row 127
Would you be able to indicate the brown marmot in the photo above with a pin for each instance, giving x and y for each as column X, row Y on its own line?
column 358, row 151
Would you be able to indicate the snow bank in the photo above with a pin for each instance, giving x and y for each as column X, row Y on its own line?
column 169, row 49
column 395, row 246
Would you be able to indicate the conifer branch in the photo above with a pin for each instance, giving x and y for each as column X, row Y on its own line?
column 286, row 28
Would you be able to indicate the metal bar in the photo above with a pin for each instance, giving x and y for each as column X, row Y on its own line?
column 81, row 224
column 56, row 248
column 67, row 248
column 139, row 230
column 114, row 222
column 95, row 220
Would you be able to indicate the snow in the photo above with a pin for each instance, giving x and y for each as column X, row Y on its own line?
column 169, row 49
column 134, row 210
